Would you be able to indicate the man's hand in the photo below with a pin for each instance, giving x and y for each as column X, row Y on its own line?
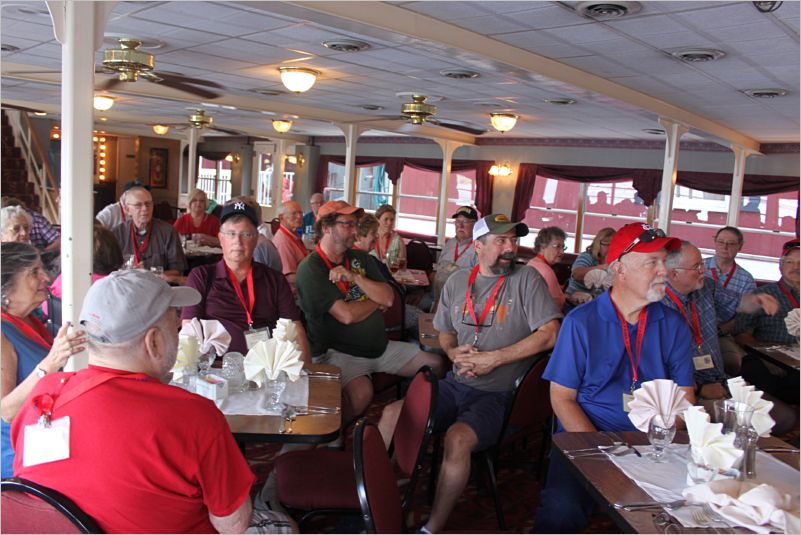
column 712, row 391
column 476, row 363
column 339, row 273
column 752, row 303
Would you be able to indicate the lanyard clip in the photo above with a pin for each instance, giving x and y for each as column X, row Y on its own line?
column 633, row 387
column 44, row 420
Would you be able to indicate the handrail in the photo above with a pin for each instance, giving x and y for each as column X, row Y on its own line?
column 47, row 194
column 40, row 152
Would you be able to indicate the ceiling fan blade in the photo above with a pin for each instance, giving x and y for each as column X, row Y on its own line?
column 20, row 108
column 457, row 126
column 109, row 84
column 19, row 73
column 187, row 80
column 226, row 131
column 186, row 88
column 386, row 118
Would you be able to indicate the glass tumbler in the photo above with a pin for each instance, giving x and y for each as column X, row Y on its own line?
column 660, row 436
column 233, row 370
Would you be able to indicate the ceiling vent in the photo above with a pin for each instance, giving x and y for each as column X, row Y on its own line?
column 765, row 93
column 346, row 45
column 8, row 48
column 371, row 107
column 654, row 131
column 698, row 55
column 269, row 92
column 29, row 11
column 491, row 104
column 459, row 74
column 560, row 101
column 607, row 10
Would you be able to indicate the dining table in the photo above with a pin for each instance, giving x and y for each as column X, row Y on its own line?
column 201, row 255
column 609, row 485
column 412, row 277
column 784, row 356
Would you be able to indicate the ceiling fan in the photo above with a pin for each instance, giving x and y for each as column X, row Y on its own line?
column 200, row 120
column 418, row 112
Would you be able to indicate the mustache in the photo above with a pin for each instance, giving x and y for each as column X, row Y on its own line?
column 506, row 256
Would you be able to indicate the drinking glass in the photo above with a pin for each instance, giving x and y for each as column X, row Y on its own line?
column 392, row 262
column 660, row 436
column 205, row 361
column 233, row 370
column 130, row 262
column 157, row 270
column 275, row 388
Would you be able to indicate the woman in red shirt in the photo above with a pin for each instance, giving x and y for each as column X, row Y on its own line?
column 197, row 224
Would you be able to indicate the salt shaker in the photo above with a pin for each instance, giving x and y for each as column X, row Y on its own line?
column 749, row 454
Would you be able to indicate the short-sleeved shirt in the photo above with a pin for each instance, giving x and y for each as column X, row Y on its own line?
column 290, row 248
column 163, row 249
column 210, row 225
column 741, row 282
column 769, row 329
column 144, row 457
column 266, row 253
column 317, row 294
column 590, row 357
column 548, row 275
column 42, row 232
column 273, row 300
column 522, row 305
column 308, row 223
column 715, row 305
column 584, row 259
column 466, row 257
column 112, row 215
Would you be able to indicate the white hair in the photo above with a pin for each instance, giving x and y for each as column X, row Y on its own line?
column 9, row 213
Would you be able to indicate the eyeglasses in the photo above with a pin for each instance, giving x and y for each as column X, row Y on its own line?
column 727, row 243
column 697, row 267
column 562, row 247
column 347, row 224
column 648, row 235
column 140, row 205
column 18, row 228
column 605, row 243
column 231, row 235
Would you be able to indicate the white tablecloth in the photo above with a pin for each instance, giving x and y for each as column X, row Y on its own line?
column 254, row 402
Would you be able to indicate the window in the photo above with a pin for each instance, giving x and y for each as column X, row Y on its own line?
column 610, row 204
column 214, row 178
column 554, row 203
column 418, row 199
column 335, row 190
column 264, row 189
column 374, row 187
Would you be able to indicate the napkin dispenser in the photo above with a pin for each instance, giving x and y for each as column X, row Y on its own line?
column 212, row 387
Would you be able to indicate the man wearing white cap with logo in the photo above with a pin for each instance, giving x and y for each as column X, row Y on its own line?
column 136, row 455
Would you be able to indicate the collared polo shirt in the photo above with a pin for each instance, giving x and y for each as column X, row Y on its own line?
column 741, row 282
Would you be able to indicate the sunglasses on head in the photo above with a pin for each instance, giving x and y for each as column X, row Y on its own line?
column 648, row 235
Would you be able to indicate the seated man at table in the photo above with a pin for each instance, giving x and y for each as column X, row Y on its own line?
column 115, row 213
column 287, row 241
column 309, row 218
column 265, row 251
column 606, row 349
column 342, row 295
column 137, row 456
column 458, row 252
column 492, row 320
column 151, row 242
column 245, row 296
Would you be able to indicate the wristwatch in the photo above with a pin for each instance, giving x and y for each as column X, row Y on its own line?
column 40, row 372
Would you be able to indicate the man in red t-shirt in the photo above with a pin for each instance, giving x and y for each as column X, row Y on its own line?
column 139, row 456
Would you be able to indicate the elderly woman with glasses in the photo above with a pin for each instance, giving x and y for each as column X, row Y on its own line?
column 549, row 248
column 28, row 351
column 196, row 223
column 593, row 258
column 15, row 225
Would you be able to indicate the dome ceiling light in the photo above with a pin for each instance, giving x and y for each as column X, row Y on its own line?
column 160, row 129
column 503, row 122
column 103, row 103
column 298, row 79
column 281, row 125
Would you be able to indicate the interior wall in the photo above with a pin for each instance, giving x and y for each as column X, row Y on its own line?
column 170, row 192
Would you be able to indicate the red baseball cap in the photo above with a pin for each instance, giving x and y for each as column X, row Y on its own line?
column 640, row 238
column 789, row 246
column 339, row 207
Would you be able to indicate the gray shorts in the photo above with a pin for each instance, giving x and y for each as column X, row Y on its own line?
column 395, row 357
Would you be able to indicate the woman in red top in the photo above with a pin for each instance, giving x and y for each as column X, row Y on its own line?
column 197, row 224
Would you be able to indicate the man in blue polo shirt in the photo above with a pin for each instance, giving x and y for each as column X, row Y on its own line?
column 606, row 349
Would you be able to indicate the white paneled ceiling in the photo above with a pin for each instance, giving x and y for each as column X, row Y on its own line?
column 240, row 45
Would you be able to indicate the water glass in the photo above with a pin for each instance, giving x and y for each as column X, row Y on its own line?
column 233, row 370
column 157, row 270
column 130, row 262
column 732, row 414
column 275, row 388
column 660, row 436
column 205, row 361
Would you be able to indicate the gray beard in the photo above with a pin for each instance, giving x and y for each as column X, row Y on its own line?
column 498, row 269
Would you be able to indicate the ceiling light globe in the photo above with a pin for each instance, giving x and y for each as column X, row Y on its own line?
column 503, row 122
column 281, row 126
column 160, row 129
column 298, row 79
column 102, row 103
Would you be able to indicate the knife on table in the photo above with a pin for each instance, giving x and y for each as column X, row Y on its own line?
column 614, row 436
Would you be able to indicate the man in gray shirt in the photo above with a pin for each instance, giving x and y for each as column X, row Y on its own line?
column 491, row 320
column 458, row 252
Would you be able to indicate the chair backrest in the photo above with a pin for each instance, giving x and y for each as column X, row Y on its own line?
column 274, row 224
column 418, row 256
column 394, row 317
column 375, row 481
column 164, row 211
column 31, row 508
column 531, row 401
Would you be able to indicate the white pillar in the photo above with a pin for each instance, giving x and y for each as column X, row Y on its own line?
column 70, row 22
column 448, row 147
column 352, row 132
column 741, row 154
column 183, row 187
column 673, row 132
column 277, row 182
column 191, row 162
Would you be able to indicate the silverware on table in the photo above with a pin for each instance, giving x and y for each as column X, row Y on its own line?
column 614, row 436
column 636, row 506
column 780, row 450
column 617, row 451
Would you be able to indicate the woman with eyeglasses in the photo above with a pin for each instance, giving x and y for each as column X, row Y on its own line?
column 549, row 248
column 15, row 225
column 389, row 247
column 593, row 258
column 196, row 223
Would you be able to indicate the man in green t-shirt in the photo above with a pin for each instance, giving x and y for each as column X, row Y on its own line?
column 342, row 294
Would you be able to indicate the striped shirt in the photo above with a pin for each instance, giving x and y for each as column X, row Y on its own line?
column 741, row 281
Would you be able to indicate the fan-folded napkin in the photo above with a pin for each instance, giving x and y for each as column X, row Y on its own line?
column 285, row 330
column 210, row 335
column 758, row 507
column 660, row 397
column 268, row 358
column 598, row 278
column 187, row 356
column 745, row 393
column 793, row 322
column 707, row 444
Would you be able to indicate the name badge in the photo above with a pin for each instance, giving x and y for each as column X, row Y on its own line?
column 703, row 362
column 46, row 444
column 627, row 398
column 254, row 336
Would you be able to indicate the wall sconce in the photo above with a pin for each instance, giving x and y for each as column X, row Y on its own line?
column 298, row 79
column 281, row 125
column 160, row 129
column 503, row 169
column 503, row 122
column 102, row 103
column 55, row 133
column 232, row 157
column 296, row 159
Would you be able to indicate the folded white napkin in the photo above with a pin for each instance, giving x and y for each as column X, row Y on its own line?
column 745, row 393
column 598, row 278
column 707, row 444
column 660, row 397
column 210, row 335
column 793, row 322
column 268, row 358
column 758, row 507
column 285, row 330
column 188, row 355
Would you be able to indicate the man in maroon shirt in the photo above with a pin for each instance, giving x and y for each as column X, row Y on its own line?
column 245, row 296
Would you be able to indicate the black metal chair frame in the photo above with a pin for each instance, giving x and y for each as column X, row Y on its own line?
column 55, row 499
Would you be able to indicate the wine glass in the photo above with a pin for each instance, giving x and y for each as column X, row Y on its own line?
column 275, row 388
column 660, row 436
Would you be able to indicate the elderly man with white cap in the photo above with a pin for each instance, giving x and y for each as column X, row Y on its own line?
column 136, row 455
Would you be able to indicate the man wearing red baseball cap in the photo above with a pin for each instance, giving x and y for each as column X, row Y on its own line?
column 606, row 349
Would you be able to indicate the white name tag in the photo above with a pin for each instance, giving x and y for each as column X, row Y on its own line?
column 47, row 444
column 254, row 336
column 703, row 362
column 627, row 398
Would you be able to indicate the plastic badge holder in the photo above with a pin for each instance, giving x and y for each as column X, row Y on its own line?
column 212, row 387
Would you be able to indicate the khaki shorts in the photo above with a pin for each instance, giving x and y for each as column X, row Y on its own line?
column 395, row 357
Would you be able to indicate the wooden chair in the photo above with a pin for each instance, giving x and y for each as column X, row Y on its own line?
column 31, row 508
column 376, row 487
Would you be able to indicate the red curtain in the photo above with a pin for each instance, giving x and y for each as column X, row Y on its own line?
column 526, row 175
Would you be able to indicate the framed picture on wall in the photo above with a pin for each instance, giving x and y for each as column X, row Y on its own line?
column 158, row 168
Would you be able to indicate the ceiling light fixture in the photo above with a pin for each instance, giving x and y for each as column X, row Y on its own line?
column 346, row 45
column 503, row 122
column 40, row 113
column 654, row 131
column 55, row 133
column 503, row 169
column 103, row 103
column 298, row 79
column 698, row 55
column 282, row 126
column 160, row 129
column 607, row 10
column 371, row 107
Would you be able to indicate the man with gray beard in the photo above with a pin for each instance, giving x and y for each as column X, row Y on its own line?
column 606, row 349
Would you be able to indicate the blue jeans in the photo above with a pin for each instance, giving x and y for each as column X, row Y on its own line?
column 564, row 503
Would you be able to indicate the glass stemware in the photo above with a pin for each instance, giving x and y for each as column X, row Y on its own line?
column 275, row 388
column 660, row 436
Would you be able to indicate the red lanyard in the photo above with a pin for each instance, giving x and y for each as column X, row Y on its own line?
column 138, row 250
column 538, row 255
column 38, row 332
column 343, row 286
column 294, row 239
column 642, row 321
column 490, row 302
column 241, row 296
column 728, row 279
column 456, row 253
column 695, row 325
column 790, row 296
column 386, row 246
